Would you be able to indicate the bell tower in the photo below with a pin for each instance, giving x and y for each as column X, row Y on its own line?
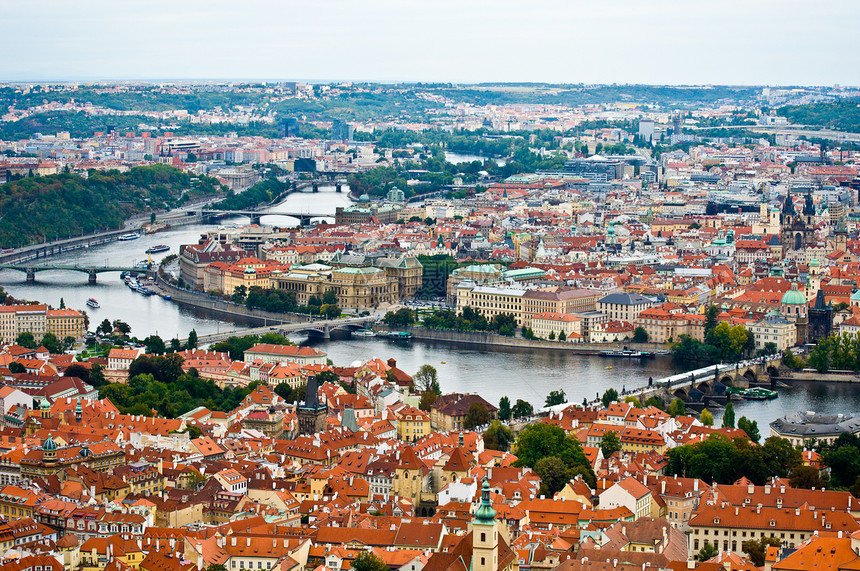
column 485, row 534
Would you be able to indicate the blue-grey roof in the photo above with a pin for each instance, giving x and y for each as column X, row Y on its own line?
column 625, row 299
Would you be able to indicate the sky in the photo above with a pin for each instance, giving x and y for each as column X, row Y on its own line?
column 750, row 42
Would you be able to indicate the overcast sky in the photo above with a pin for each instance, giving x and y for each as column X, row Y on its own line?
column 597, row 41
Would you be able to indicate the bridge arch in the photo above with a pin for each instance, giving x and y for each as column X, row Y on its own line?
column 750, row 375
column 772, row 371
column 681, row 393
column 728, row 380
column 705, row 387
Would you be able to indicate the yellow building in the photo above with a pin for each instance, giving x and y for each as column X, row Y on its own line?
column 17, row 503
column 412, row 423
column 65, row 323
column 548, row 322
column 492, row 300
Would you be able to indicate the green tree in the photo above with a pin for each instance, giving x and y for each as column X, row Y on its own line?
column 284, row 391
column 240, row 293
column 122, row 326
column 640, row 335
column 610, row 443
column 706, row 417
column 551, row 336
column 477, row 415
column 330, row 311
column 843, row 459
column 555, row 397
column 522, row 409
column 504, row 408
column 756, row 549
column 729, row 416
column 553, row 475
column 155, row 345
column 192, row 340
column 708, row 551
column 807, row 477
column 216, row 567
column 750, row 427
column 17, row 368
column 610, row 396
column 26, row 339
column 51, row 343
column 62, row 304
column 403, row 317
column 104, row 328
column 562, row 336
column 677, row 408
column 427, row 400
column 368, row 561
column 498, row 436
column 427, row 379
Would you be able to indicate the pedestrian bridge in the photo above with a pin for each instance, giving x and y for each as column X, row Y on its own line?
column 713, row 379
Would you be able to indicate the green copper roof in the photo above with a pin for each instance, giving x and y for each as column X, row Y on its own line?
column 793, row 297
column 485, row 514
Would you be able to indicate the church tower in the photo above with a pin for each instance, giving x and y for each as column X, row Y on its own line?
column 312, row 414
column 842, row 235
column 485, row 534
column 798, row 230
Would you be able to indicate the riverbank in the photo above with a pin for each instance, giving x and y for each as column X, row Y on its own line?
column 225, row 308
column 483, row 339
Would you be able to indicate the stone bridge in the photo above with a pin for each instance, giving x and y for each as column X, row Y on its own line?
column 711, row 382
column 319, row 328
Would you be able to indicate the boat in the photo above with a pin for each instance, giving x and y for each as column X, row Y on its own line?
column 127, row 237
column 400, row 335
column 167, row 297
column 755, row 393
column 609, row 367
column 132, row 283
column 91, row 302
column 442, row 363
column 157, row 249
column 364, row 333
column 629, row 354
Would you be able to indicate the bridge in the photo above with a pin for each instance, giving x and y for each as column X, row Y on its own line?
column 320, row 328
column 255, row 215
column 91, row 271
column 710, row 383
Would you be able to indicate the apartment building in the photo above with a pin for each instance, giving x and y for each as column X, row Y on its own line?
column 38, row 319
column 623, row 306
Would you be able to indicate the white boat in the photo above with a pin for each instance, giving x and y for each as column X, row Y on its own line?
column 127, row 237
column 91, row 302
column 364, row 333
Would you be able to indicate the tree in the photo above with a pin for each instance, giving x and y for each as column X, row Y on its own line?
column 610, row 396
column 240, row 293
column 750, row 427
column 706, row 417
column 806, row 477
column 477, row 415
column 537, row 441
column 51, row 343
column 780, row 456
column 16, row 368
column 498, row 436
column 122, row 327
column 504, row 408
column 68, row 342
column 192, row 340
column 427, row 379
column 368, row 561
column 522, row 409
column 216, row 567
column 403, row 317
column 677, row 408
column 330, row 311
column 553, row 475
column 78, row 371
column 62, row 304
column 756, row 549
column 640, row 335
column 555, row 397
column 155, row 345
column 562, row 336
column 427, row 400
column 610, row 443
column 551, row 336
column 729, row 416
column 26, row 339
column 330, row 297
column 708, row 551
column 284, row 391
column 104, row 328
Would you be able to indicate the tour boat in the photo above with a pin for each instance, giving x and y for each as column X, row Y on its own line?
column 157, row 249
column 127, row 237
column 628, row 353
column 91, row 302
column 364, row 333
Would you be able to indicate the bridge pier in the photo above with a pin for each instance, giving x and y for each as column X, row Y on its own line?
column 338, row 187
column 326, row 332
column 255, row 218
column 31, row 275
column 316, row 187
column 92, row 276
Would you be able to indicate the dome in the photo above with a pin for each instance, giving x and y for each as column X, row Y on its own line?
column 814, row 263
column 855, row 296
column 45, row 405
column 364, row 198
column 86, row 452
column 793, row 297
column 49, row 444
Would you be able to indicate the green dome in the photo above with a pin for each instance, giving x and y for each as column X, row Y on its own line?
column 364, row 198
column 49, row 444
column 793, row 297
column 485, row 514
column 855, row 296
column 814, row 263
column 45, row 405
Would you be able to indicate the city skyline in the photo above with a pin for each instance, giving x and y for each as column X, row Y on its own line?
column 749, row 43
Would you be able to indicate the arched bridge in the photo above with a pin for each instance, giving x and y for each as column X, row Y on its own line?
column 91, row 271
column 255, row 215
column 321, row 328
column 712, row 381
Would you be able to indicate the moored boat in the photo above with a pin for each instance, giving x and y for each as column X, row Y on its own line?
column 91, row 302
column 157, row 249
column 127, row 237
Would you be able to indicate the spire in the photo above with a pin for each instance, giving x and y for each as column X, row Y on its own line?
column 809, row 207
column 485, row 514
column 788, row 204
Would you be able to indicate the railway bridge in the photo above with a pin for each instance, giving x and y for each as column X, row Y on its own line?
column 91, row 271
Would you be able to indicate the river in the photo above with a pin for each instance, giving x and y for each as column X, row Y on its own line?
column 517, row 373
column 459, row 158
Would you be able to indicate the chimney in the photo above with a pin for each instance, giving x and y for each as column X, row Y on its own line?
column 696, row 485
column 663, row 487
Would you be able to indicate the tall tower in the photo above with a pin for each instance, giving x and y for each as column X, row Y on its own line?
column 485, row 534
column 312, row 413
